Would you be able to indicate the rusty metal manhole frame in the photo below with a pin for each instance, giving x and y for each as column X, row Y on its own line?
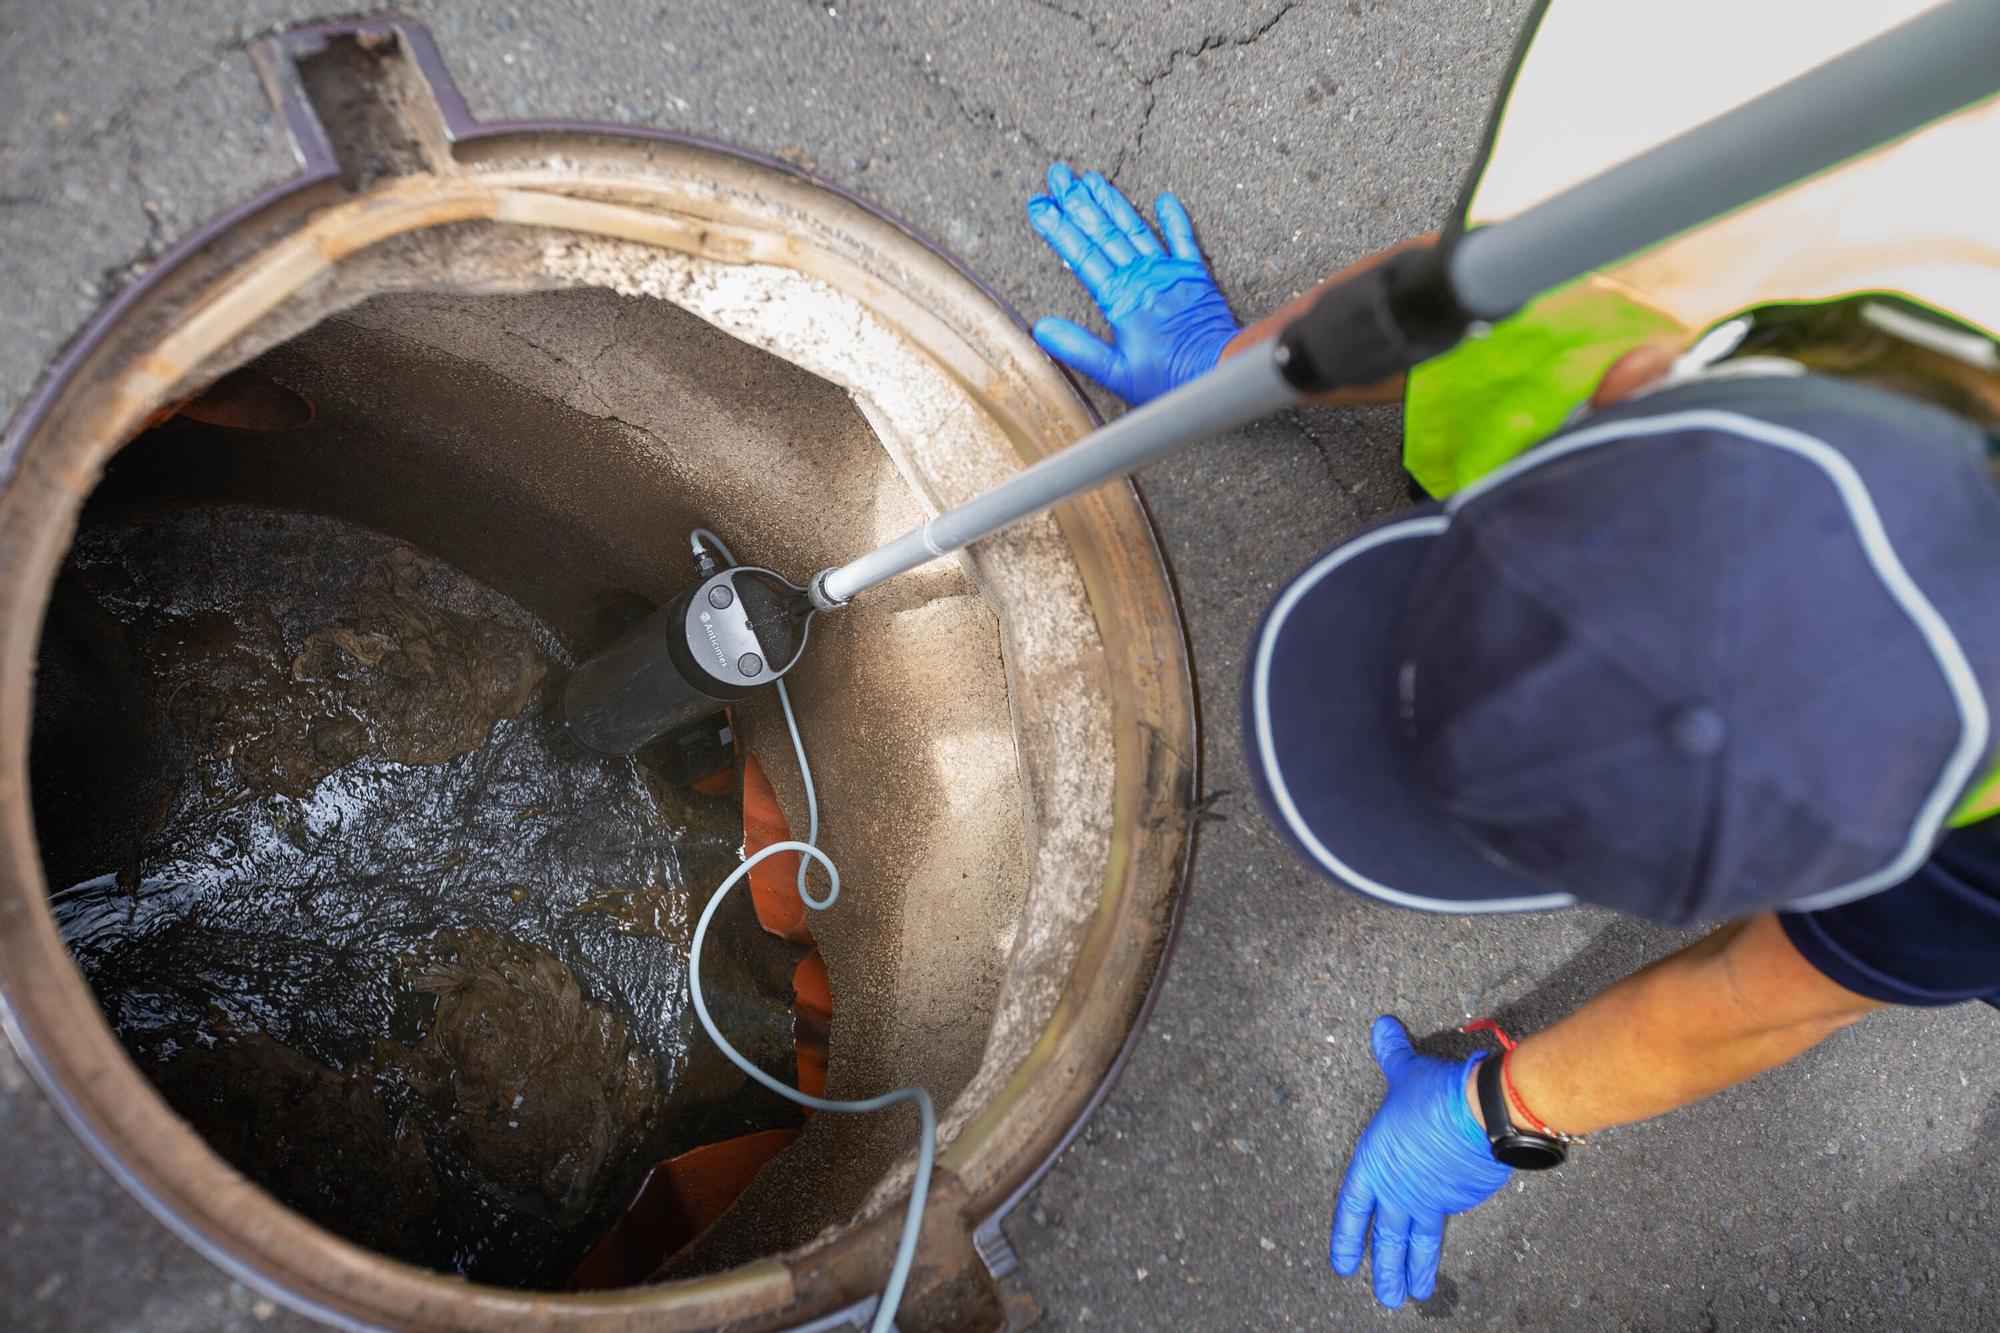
column 824, row 1285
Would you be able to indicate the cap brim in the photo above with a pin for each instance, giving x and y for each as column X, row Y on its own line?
column 1326, row 742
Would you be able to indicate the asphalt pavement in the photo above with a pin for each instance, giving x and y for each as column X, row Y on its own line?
column 1859, row 1186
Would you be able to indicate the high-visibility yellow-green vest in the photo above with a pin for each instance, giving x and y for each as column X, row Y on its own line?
column 1917, row 220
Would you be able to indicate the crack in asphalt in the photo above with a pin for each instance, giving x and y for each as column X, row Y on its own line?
column 1209, row 42
column 990, row 120
column 112, row 278
column 993, row 120
column 1300, row 420
column 1102, row 44
column 126, row 116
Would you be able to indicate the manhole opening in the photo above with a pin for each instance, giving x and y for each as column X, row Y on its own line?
column 403, row 957
column 466, row 387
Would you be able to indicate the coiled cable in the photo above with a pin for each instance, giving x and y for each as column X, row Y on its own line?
column 913, row 1216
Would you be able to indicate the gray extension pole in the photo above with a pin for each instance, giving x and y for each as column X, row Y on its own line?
column 1241, row 389
column 1910, row 76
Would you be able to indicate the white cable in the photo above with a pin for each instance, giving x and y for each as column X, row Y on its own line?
column 913, row 1216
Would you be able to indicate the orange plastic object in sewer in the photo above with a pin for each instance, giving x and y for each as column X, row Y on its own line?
column 717, row 784
column 241, row 400
column 774, row 883
column 682, row 1197
column 812, row 1022
column 680, row 1200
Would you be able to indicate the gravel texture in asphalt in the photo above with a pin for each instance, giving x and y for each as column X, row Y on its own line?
column 1859, row 1186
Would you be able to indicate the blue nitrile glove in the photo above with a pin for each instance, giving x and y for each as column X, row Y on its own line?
column 1422, row 1158
column 1169, row 320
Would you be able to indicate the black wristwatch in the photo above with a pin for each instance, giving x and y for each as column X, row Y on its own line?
column 1522, row 1149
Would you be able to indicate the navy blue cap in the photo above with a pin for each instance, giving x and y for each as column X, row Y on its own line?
column 1727, row 647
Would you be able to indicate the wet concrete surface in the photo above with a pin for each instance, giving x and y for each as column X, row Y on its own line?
column 1858, row 1187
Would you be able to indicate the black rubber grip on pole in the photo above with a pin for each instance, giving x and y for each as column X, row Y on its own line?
column 1374, row 325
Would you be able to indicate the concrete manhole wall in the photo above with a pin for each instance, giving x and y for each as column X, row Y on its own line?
column 542, row 355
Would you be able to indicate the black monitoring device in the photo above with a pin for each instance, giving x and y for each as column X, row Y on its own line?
column 740, row 628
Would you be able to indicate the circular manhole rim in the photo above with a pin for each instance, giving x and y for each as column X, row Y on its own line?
column 1008, row 1148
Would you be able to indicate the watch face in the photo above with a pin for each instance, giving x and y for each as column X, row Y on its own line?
column 1528, row 1153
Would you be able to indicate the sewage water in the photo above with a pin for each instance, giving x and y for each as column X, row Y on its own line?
column 402, row 956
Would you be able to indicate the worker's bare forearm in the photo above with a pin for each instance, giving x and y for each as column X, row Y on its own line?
column 1389, row 390
column 1713, row 1015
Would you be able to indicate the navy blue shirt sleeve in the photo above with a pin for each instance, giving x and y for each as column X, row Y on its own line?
column 1933, row 939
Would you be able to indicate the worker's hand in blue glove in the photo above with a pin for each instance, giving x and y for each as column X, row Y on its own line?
column 1422, row 1158
column 1168, row 319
